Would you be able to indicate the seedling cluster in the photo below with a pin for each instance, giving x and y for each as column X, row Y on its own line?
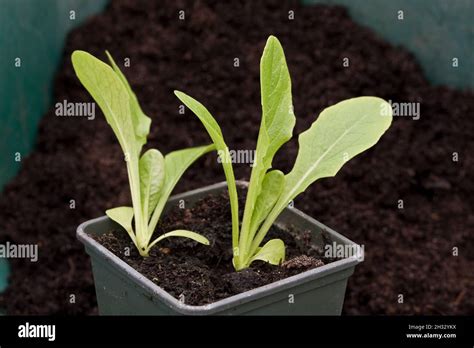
column 341, row 132
column 151, row 175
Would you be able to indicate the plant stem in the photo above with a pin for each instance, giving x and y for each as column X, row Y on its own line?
column 248, row 210
column 274, row 213
column 234, row 199
column 133, row 176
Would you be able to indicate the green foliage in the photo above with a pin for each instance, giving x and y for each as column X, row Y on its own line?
column 341, row 132
column 216, row 135
column 152, row 177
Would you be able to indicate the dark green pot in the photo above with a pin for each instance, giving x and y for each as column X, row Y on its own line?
column 121, row 290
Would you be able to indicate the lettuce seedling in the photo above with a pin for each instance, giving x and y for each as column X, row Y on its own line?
column 151, row 175
column 341, row 132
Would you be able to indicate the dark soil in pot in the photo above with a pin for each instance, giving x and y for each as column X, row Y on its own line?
column 204, row 274
column 408, row 251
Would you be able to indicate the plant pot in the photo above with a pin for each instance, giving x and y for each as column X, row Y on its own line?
column 121, row 290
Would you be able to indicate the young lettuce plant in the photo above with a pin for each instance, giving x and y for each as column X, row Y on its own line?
column 341, row 132
column 151, row 176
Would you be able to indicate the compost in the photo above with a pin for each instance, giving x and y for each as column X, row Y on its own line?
column 198, row 274
column 407, row 200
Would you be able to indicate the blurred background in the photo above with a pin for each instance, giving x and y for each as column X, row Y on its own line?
column 407, row 51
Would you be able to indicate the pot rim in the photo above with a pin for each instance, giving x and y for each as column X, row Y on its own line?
column 229, row 302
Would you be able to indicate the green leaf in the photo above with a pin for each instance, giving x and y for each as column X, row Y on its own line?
column 272, row 252
column 152, row 174
column 140, row 121
column 341, row 132
column 277, row 106
column 216, row 135
column 111, row 95
column 176, row 163
column 272, row 187
column 182, row 233
column 278, row 121
column 123, row 216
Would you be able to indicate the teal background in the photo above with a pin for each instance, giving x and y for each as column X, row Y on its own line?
column 34, row 31
column 434, row 30
column 4, row 272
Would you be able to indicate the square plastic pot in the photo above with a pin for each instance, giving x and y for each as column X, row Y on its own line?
column 121, row 290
